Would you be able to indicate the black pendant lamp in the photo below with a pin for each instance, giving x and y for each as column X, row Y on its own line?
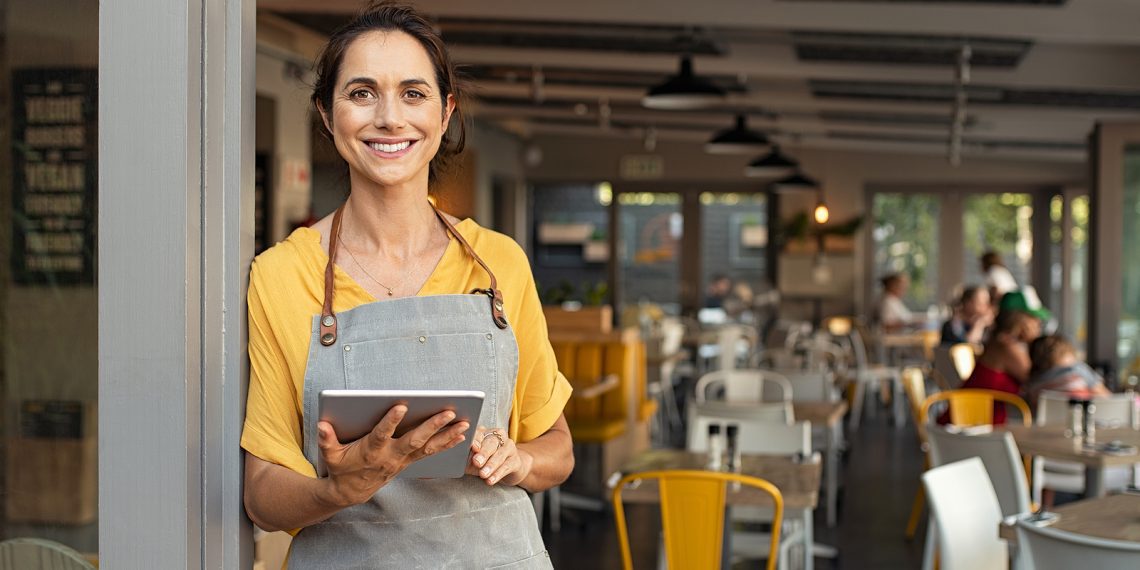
column 797, row 182
column 738, row 140
column 683, row 91
column 772, row 165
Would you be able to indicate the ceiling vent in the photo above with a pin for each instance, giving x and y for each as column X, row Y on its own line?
column 907, row 49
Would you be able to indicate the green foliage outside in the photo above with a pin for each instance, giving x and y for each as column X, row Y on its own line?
column 906, row 241
column 990, row 221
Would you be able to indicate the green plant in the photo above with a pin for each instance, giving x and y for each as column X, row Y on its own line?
column 596, row 294
column 800, row 227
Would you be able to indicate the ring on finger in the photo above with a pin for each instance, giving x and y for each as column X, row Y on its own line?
column 497, row 436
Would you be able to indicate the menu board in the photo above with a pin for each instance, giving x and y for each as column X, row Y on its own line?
column 54, row 175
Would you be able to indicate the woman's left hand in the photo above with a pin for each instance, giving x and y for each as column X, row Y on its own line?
column 496, row 459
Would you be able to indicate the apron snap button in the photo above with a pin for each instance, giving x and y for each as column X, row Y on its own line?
column 498, row 305
column 327, row 321
column 328, row 339
column 423, row 339
column 347, row 348
column 490, row 336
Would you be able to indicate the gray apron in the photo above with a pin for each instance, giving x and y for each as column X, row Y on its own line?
column 454, row 342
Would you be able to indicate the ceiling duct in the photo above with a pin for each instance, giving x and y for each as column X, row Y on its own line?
column 907, row 49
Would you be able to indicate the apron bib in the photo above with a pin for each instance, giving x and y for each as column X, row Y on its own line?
column 454, row 342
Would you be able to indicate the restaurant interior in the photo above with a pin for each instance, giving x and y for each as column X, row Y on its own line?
column 785, row 249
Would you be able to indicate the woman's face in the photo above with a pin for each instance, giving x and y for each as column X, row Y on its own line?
column 387, row 116
column 978, row 304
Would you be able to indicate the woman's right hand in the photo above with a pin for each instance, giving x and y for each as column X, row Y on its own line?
column 358, row 469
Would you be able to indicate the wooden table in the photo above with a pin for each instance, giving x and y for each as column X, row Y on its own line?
column 1051, row 442
column 1115, row 517
column 798, row 483
column 828, row 415
column 926, row 340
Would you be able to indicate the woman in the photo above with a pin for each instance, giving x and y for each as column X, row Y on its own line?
column 971, row 317
column 1004, row 363
column 418, row 299
column 892, row 312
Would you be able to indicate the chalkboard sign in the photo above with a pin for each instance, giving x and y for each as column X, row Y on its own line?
column 51, row 419
column 54, row 177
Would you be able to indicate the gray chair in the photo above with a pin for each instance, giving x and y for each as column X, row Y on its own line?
column 1069, row 477
column 1046, row 548
column 998, row 453
column 39, row 554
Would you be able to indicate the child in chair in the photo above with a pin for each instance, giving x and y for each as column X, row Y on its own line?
column 1056, row 368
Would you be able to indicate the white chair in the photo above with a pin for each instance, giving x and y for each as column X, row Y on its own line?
column 766, row 412
column 743, row 386
column 1046, row 548
column 966, row 513
column 998, row 453
column 866, row 375
column 1069, row 477
column 757, row 436
column 664, row 357
column 811, row 386
column 39, row 554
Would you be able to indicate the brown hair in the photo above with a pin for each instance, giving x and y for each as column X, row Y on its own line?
column 1047, row 351
column 1010, row 322
column 969, row 293
column 990, row 259
column 388, row 16
column 889, row 280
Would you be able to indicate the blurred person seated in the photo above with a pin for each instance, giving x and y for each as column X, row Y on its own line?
column 998, row 278
column 892, row 313
column 1056, row 368
column 738, row 304
column 717, row 291
column 1004, row 364
column 973, row 313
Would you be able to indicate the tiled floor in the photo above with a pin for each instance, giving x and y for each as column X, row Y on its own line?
column 880, row 478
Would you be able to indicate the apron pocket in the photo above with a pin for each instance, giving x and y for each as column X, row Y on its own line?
column 429, row 362
column 538, row 561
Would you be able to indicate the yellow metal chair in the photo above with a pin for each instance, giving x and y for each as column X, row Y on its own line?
column 692, row 515
column 975, row 406
column 914, row 384
column 964, row 356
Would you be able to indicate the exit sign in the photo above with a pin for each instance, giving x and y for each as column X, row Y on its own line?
column 641, row 167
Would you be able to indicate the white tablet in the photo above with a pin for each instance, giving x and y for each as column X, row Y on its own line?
column 353, row 414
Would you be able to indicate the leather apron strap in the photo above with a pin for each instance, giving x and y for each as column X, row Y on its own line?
column 328, row 317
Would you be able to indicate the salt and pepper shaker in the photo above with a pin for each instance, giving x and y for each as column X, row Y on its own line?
column 733, row 451
column 715, row 448
column 1076, row 416
column 1088, row 431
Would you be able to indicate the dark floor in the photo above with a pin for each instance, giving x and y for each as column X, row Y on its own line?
column 881, row 474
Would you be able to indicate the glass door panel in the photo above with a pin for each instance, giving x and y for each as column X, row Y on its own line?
column 650, row 249
column 999, row 223
column 734, row 246
column 905, row 235
column 48, row 298
column 1128, row 341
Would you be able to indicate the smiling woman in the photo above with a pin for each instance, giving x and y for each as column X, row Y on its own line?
column 386, row 92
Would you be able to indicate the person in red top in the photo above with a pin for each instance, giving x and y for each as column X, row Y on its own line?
column 1004, row 363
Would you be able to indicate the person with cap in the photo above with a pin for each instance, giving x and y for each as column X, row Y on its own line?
column 1004, row 364
column 1026, row 300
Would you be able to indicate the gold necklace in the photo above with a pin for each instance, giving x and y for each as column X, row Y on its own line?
column 361, row 266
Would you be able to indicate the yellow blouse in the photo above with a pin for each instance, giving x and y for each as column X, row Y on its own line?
column 286, row 290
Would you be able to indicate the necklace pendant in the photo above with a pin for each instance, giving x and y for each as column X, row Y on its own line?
column 389, row 292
